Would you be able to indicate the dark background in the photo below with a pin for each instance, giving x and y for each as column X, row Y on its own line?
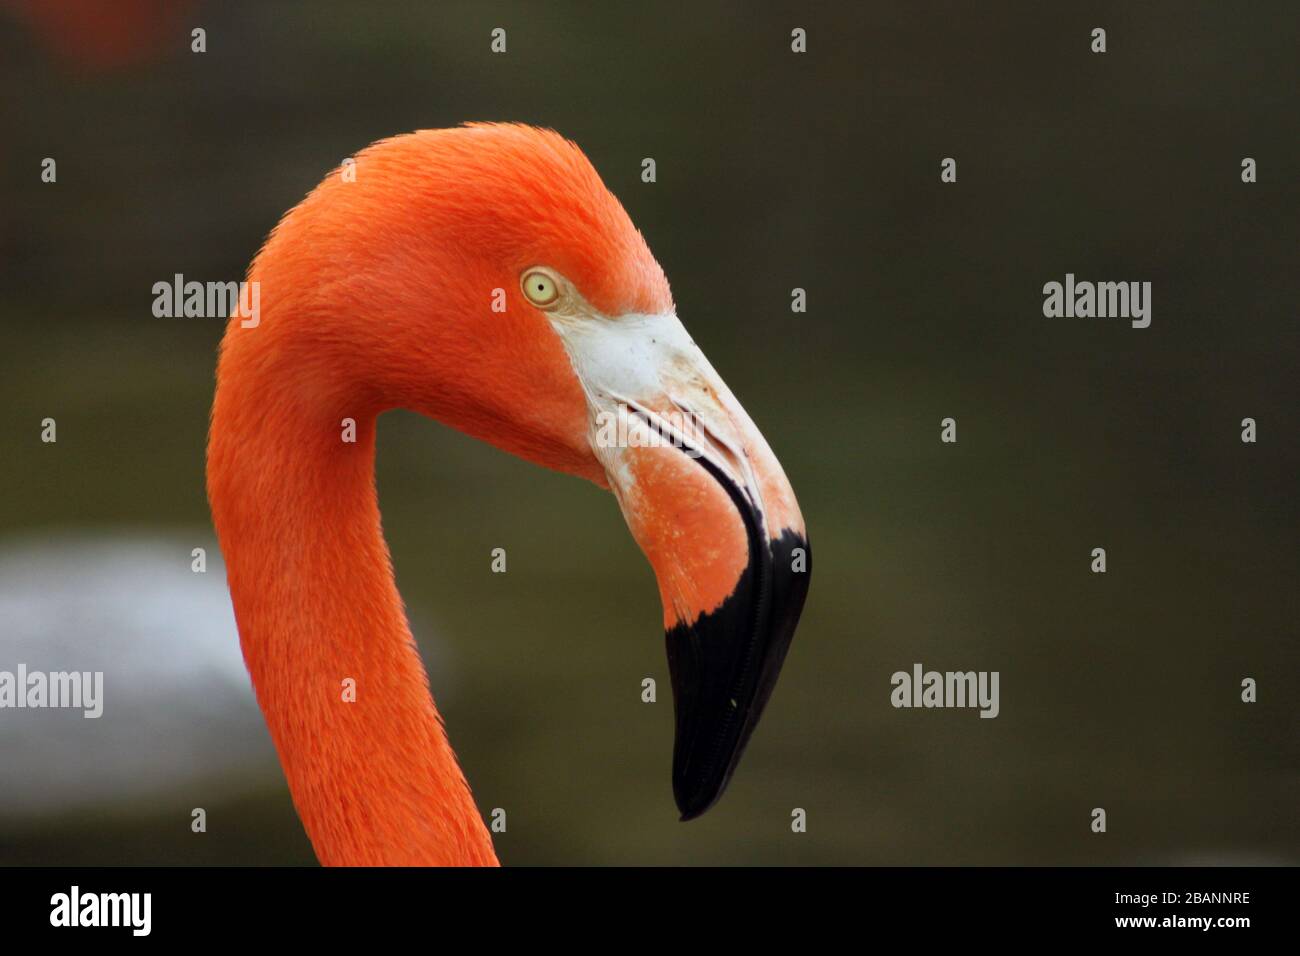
column 775, row 170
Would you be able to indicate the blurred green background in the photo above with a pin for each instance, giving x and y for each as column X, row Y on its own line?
column 775, row 170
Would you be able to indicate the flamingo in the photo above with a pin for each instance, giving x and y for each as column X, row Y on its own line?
column 485, row 277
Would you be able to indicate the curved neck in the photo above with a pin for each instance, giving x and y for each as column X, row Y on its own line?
column 325, row 637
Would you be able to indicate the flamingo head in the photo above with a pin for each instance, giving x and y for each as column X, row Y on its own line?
column 486, row 277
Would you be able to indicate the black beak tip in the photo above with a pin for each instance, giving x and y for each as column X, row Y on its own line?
column 690, row 813
column 724, row 666
column 694, row 802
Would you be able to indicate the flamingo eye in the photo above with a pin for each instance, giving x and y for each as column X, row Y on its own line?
column 539, row 288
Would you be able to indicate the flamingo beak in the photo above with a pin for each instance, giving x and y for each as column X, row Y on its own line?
column 711, row 508
column 724, row 662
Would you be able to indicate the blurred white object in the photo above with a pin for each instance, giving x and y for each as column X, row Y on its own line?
column 178, row 704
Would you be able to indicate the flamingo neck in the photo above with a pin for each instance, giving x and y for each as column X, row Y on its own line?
column 326, row 639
